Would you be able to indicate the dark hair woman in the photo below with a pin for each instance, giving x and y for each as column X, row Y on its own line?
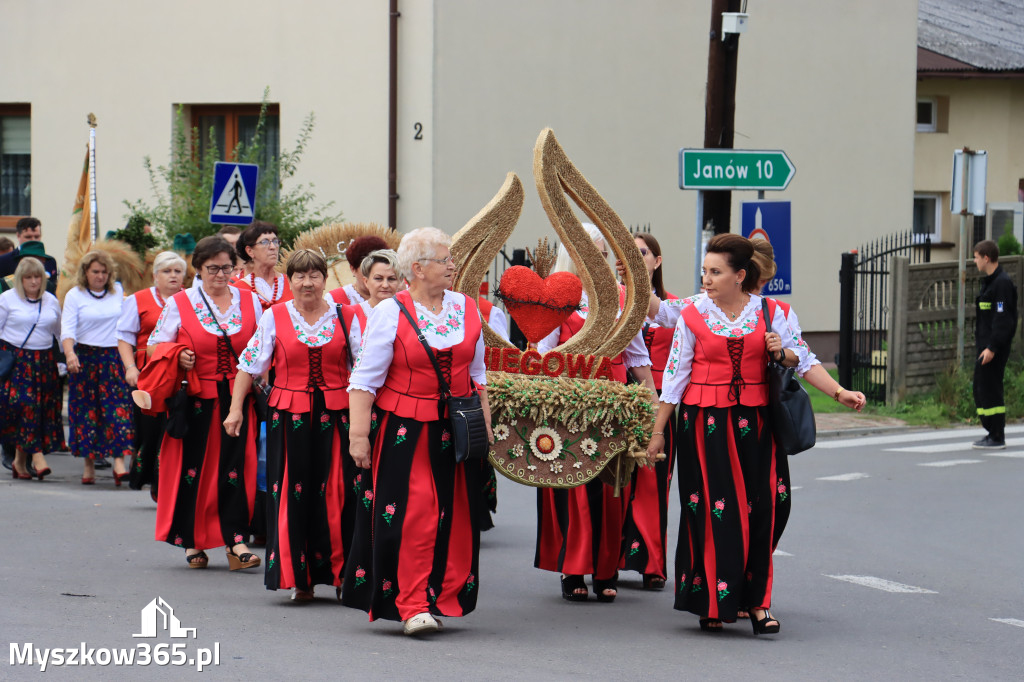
column 99, row 401
column 259, row 247
column 208, row 478
column 311, row 477
column 30, row 398
column 733, row 482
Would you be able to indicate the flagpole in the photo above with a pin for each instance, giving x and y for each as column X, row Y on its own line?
column 94, row 218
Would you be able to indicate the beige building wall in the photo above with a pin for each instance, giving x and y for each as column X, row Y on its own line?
column 983, row 113
column 622, row 85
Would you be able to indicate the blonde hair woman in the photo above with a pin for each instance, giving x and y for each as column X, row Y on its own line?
column 30, row 399
column 99, row 402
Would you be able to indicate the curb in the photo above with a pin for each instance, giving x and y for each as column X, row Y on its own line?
column 870, row 431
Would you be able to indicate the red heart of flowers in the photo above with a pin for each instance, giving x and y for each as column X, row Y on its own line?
column 538, row 305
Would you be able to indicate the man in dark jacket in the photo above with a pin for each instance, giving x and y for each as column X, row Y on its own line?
column 994, row 328
column 28, row 230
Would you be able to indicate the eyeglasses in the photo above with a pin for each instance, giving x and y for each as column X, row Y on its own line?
column 214, row 269
column 266, row 243
column 440, row 261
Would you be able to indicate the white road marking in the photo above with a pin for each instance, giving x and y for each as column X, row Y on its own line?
column 1001, row 453
column 944, row 434
column 800, row 487
column 1009, row 621
column 843, row 477
column 948, row 447
column 779, row 552
column 881, row 584
column 949, row 462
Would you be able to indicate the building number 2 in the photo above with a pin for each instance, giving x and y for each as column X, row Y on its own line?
column 418, row 127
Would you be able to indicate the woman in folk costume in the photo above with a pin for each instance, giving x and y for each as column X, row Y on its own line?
column 259, row 247
column 99, row 400
column 208, row 478
column 579, row 530
column 420, row 557
column 495, row 317
column 309, row 472
column 31, row 396
column 381, row 274
column 355, row 253
column 733, row 481
column 138, row 318
column 644, row 533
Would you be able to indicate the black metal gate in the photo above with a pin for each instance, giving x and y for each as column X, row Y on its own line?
column 864, row 310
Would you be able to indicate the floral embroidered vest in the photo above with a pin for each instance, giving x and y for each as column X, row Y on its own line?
column 216, row 360
column 727, row 370
column 300, row 369
column 575, row 323
column 411, row 389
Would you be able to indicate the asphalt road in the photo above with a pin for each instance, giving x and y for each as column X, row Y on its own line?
column 919, row 513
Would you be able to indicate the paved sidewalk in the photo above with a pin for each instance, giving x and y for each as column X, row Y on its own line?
column 838, row 424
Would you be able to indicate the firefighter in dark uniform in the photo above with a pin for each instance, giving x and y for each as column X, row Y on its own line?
column 994, row 327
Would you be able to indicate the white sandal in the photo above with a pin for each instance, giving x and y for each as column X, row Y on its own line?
column 421, row 622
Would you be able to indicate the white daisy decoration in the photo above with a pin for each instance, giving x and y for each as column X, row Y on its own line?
column 577, row 464
column 556, row 467
column 517, row 451
column 532, row 467
column 513, row 422
column 588, row 447
column 607, row 431
column 501, row 432
column 545, row 443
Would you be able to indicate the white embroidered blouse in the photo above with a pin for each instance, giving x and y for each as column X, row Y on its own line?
column 166, row 329
column 441, row 330
column 259, row 352
column 128, row 324
column 680, row 358
column 635, row 355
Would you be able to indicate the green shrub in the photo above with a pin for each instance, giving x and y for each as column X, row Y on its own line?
column 1008, row 245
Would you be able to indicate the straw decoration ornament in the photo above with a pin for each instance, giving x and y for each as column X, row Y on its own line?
column 331, row 240
column 543, row 257
column 475, row 246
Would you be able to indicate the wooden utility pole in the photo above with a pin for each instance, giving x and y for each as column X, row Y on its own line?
column 720, row 106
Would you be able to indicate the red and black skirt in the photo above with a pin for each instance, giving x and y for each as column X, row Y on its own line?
column 311, row 511
column 31, row 402
column 579, row 530
column 208, row 478
column 417, row 543
column 735, row 491
column 149, row 432
column 644, row 541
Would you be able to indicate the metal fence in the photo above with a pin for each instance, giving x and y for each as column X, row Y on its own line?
column 864, row 310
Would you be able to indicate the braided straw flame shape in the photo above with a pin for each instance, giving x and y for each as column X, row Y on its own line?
column 478, row 242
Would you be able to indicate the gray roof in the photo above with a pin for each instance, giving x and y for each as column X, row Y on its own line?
column 987, row 34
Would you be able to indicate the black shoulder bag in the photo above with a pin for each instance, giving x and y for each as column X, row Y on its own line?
column 344, row 330
column 469, row 430
column 7, row 357
column 789, row 406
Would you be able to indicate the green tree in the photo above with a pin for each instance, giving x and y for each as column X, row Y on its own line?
column 183, row 189
column 1008, row 245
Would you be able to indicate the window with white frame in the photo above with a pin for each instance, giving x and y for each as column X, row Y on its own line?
column 927, row 114
column 15, row 162
column 928, row 217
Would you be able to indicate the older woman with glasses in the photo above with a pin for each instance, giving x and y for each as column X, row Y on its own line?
column 30, row 398
column 208, row 478
column 99, row 402
column 420, row 556
column 259, row 247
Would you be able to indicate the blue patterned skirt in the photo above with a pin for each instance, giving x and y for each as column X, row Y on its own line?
column 100, row 405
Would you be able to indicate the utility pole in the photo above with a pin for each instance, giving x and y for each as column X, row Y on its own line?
column 720, row 106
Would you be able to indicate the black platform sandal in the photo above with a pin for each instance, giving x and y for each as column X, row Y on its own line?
column 570, row 586
column 653, row 582
column 601, row 585
column 711, row 625
column 197, row 560
column 768, row 625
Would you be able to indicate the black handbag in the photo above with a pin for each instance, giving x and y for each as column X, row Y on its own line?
column 789, row 406
column 177, row 412
column 469, row 429
column 7, row 357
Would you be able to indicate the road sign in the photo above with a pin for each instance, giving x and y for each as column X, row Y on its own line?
column 234, row 193
column 727, row 169
column 771, row 220
column 972, row 179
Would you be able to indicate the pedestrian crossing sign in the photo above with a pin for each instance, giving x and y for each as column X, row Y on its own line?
column 234, row 193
